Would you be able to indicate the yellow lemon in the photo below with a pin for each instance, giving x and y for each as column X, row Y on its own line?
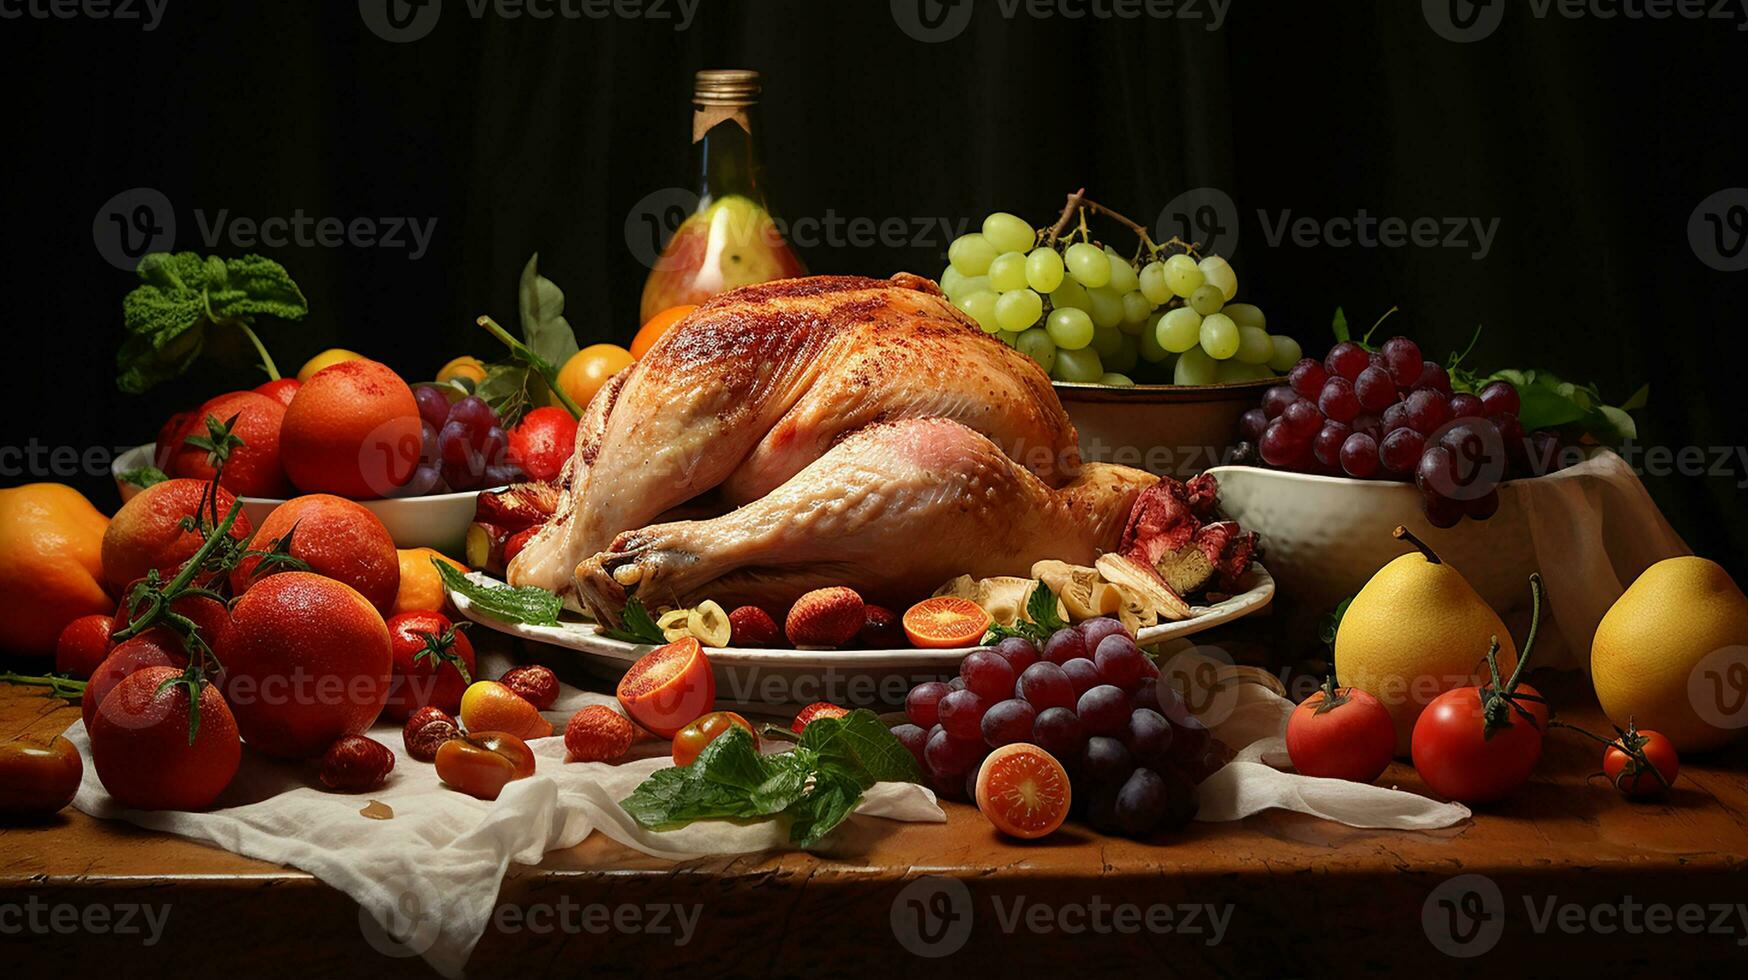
column 327, row 358
column 466, row 366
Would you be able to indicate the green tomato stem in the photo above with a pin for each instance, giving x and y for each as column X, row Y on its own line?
column 266, row 358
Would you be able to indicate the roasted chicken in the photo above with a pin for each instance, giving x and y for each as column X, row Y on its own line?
column 814, row 432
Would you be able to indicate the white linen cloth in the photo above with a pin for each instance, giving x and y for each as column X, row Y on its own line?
column 426, row 880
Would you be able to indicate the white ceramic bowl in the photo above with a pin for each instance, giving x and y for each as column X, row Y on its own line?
column 438, row 521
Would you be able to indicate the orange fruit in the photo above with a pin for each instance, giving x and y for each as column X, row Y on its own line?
column 944, row 622
column 669, row 687
column 307, row 660
column 1024, row 791
column 589, row 369
column 339, row 538
column 147, row 532
column 326, row 359
column 253, row 469
column 657, row 326
column 353, row 430
column 488, row 706
column 466, row 366
column 421, row 587
column 51, row 565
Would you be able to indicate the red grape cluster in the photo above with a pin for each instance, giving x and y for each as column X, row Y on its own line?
column 1391, row 415
column 464, row 447
column 1133, row 751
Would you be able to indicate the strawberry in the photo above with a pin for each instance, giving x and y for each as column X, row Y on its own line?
column 825, row 618
column 355, row 763
column 426, row 731
column 536, row 684
column 597, row 734
column 750, row 626
column 815, row 711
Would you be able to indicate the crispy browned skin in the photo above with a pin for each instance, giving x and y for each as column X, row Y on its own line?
column 758, row 383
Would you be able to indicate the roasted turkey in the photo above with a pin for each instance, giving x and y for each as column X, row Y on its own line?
column 824, row 431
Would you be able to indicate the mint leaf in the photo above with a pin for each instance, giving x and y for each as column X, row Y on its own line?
column 639, row 626
column 833, row 798
column 861, row 740
column 1041, row 608
column 815, row 786
column 524, row 604
column 144, row 476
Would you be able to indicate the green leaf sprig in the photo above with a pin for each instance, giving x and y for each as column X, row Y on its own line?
column 639, row 625
column 524, row 604
column 182, row 296
column 814, row 786
column 547, row 343
column 1041, row 619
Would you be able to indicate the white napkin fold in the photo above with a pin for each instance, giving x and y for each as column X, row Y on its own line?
column 427, row 880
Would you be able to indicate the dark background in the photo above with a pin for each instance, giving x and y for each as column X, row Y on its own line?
column 1591, row 140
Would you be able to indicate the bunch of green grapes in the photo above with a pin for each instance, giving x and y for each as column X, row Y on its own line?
column 1087, row 314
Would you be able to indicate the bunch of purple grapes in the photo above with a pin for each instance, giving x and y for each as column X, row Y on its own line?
column 1391, row 415
column 464, row 447
column 1133, row 751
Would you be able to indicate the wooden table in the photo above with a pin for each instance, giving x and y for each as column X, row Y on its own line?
column 1292, row 895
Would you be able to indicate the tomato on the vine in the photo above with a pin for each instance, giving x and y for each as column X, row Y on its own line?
column 1641, row 764
column 691, row 740
column 1341, row 733
column 1478, row 744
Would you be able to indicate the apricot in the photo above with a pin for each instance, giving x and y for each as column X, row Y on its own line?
column 51, row 566
column 307, row 660
column 352, row 430
column 147, row 532
column 253, row 469
column 339, row 538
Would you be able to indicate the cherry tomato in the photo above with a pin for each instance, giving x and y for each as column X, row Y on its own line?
column 37, row 777
column 1341, row 733
column 692, row 739
column 481, row 764
column 433, row 664
column 1460, row 761
column 1628, row 771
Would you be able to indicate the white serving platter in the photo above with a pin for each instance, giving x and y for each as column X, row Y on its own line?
column 857, row 678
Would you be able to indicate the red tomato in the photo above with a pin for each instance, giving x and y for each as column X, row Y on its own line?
column 1341, row 733
column 1460, row 761
column 281, row 391
column 1628, row 769
column 481, row 764
column 83, row 645
column 38, row 778
column 140, row 743
column 433, row 664
column 694, row 737
column 543, row 441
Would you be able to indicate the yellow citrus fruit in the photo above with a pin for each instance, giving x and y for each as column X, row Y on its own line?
column 589, row 369
column 466, row 366
column 1664, row 655
column 327, row 358
column 421, row 587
